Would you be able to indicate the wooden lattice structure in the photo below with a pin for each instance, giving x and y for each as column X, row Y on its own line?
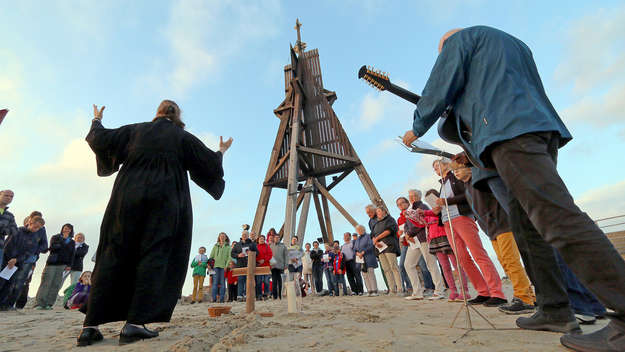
column 320, row 149
column 618, row 240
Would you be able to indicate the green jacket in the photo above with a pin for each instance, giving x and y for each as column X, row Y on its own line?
column 199, row 268
column 221, row 254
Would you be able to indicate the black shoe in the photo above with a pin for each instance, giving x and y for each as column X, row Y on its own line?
column 192, row 302
column 583, row 319
column 517, row 307
column 564, row 323
column 609, row 339
column 478, row 300
column 89, row 336
column 131, row 333
column 495, row 302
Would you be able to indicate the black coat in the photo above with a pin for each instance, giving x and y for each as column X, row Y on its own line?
column 316, row 255
column 79, row 255
column 145, row 237
column 61, row 251
column 238, row 249
column 388, row 223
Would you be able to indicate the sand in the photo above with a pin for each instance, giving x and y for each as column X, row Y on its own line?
column 382, row 323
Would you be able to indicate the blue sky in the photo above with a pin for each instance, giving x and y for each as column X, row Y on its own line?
column 222, row 62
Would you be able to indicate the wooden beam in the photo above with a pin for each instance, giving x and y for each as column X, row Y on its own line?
column 291, row 192
column 326, row 212
column 322, row 224
column 334, row 202
column 370, row 187
column 303, row 217
column 339, row 179
column 250, row 297
column 261, row 270
column 326, row 153
column 280, row 163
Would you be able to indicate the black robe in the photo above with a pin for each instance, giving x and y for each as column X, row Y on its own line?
column 145, row 237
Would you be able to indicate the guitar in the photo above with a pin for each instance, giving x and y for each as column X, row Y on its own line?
column 448, row 125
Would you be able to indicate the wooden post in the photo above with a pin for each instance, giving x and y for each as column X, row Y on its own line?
column 250, row 298
column 336, row 204
column 291, row 197
column 322, row 223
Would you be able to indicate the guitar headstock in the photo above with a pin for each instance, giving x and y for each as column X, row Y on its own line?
column 375, row 78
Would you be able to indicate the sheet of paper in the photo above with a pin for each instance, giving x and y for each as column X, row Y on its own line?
column 414, row 245
column 431, row 200
column 244, row 250
column 381, row 246
column 6, row 273
column 326, row 258
column 360, row 260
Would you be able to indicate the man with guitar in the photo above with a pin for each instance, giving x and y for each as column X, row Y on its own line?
column 505, row 122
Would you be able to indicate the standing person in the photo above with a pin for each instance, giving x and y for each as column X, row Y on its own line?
column 62, row 248
column 349, row 258
column 338, row 270
column 145, row 237
column 365, row 251
column 485, row 280
column 316, row 254
column 221, row 254
column 263, row 259
column 295, row 253
column 42, row 239
column 8, row 226
column 386, row 243
column 277, row 269
column 232, row 282
column 326, row 259
column 199, row 265
column 440, row 246
column 21, row 250
column 240, row 252
column 373, row 219
column 519, row 135
column 414, row 198
column 77, row 262
column 419, row 248
column 307, row 268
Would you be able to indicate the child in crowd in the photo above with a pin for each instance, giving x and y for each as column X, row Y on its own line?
column 441, row 248
column 80, row 292
column 199, row 264
column 232, row 283
column 338, row 270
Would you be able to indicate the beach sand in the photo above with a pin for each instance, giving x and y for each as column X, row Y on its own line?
column 384, row 323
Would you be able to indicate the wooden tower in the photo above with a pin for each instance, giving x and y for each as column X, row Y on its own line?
column 310, row 145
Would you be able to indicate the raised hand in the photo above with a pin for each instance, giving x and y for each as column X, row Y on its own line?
column 223, row 146
column 97, row 114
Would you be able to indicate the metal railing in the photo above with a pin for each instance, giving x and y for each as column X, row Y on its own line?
column 603, row 220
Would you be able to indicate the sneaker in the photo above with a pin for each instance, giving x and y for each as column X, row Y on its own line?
column 428, row 292
column 564, row 322
column 479, row 300
column 436, row 296
column 517, row 306
column 413, row 298
column 610, row 338
column 374, row 294
column 583, row 319
column 453, row 297
column 495, row 302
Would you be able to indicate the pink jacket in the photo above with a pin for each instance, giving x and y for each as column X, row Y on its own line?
column 434, row 229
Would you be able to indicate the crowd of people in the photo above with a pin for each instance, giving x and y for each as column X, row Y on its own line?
column 20, row 248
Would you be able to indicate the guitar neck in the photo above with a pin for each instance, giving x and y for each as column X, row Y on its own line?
column 404, row 93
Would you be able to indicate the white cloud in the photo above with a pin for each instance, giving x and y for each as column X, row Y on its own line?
column 604, row 201
column 594, row 56
column 210, row 140
column 202, row 41
column 378, row 107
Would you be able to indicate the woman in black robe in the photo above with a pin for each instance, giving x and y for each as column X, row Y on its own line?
column 145, row 237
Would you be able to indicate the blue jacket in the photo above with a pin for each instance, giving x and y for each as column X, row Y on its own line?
column 23, row 246
column 490, row 79
column 8, row 226
column 364, row 244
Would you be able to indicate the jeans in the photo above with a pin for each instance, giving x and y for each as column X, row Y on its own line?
column 276, row 286
column 527, row 166
column 329, row 278
column 9, row 290
column 582, row 300
column 317, row 271
column 219, row 285
column 241, row 285
column 260, row 290
column 405, row 280
column 427, row 277
column 339, row 279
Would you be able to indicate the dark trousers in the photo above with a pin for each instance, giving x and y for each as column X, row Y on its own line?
column 262, row 286
column 276, row 286
column 329, row 278
column 353, row 276
column 527, row 166
column 242, row 285
column 9, row 290
column 317, row 272
column 337, row 280
column 22, row 298
column 232, row 292
column 582, row 301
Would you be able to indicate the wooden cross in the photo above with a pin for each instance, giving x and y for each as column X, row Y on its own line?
column 251, row 272
column 299, row 46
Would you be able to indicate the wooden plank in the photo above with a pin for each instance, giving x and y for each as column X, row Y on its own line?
column 293, row 169
column 322, row 224
column 326, row 154
column 250, row 298
column 339, row 179
column 280, row 163
column 261, row 270
column 370, row 187
column 303, row 218
column 336, row 204
column 326, row 210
